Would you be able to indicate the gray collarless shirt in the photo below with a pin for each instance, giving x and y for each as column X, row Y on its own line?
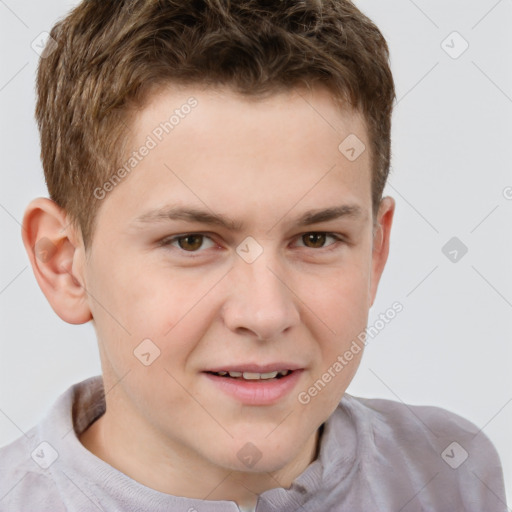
column 375, row 455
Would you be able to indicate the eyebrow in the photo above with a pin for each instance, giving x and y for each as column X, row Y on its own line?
column 190, row 214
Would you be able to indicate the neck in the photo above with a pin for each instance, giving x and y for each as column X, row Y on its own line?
column 180, row 472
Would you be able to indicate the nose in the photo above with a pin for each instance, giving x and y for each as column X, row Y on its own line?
column 261, row 302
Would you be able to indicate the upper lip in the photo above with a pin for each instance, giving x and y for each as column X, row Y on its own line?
column 255, row 368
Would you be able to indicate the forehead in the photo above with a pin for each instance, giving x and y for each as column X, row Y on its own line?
column 231, row 111
column 200, row 146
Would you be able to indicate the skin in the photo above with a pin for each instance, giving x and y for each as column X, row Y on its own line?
column 262, row 163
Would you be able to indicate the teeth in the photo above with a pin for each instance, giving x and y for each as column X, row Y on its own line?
column 257, row 376
column 254, row 375
column 269, row 375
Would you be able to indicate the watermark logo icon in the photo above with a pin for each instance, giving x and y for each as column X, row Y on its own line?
column 454, row 249
column 45, row 249
column 249, row 455
column 352, row 147
column 454, row 455
column 454, row 45
column 44, row 45
column 249, row 250
column 44, row 455
column 147, row 352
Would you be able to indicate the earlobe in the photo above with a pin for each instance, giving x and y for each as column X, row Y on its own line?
column 57, row 257
column 381, row 241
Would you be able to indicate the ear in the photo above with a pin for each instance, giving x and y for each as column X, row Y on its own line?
column 381, row 237
column 57, row 256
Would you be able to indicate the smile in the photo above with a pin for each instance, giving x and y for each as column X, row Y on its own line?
column 253, row 375
column 255, row 388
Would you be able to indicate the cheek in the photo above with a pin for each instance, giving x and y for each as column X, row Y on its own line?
column 149, row 297
column 341, row 299
column 341, row 308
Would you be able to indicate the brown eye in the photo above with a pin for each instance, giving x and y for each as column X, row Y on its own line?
column 190, row 242
column 314, row 240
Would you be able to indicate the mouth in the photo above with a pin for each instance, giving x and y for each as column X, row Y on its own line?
column 256, row 385
column 252, row 376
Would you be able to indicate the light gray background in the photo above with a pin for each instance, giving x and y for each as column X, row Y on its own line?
column 452, row 155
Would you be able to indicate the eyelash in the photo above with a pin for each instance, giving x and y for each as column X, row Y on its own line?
column 166, row 242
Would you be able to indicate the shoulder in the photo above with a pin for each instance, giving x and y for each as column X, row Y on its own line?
column 24, row 485
column 436, row 420
column 33, row 467
column 421, row 426
column 429, row 446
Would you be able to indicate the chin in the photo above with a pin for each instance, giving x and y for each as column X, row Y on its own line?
column 262, row 466
column 261, row 456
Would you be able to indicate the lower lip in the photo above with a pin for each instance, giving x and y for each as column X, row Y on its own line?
column 257, row 392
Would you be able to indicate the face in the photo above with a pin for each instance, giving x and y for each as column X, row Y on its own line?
column 241, row 242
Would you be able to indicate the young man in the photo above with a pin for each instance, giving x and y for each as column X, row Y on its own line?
column 216, row 172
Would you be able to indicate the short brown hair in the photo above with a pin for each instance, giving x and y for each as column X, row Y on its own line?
column 111, row 54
